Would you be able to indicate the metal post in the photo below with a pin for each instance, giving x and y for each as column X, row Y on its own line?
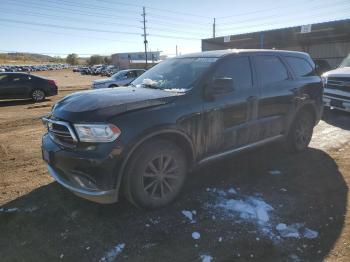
column 145, row 34
column 214, row 28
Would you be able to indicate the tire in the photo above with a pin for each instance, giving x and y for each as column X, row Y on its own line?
column 38, row 95
column 300, row 133
column 155, row 174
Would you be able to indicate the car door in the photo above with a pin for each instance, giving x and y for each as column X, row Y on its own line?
column 4, row 78
column 17, row 86
column 228, row 117
column 276, row 95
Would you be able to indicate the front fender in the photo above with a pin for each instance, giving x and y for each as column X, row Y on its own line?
column 159, row 131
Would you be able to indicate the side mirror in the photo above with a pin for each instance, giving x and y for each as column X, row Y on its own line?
column 219, row 86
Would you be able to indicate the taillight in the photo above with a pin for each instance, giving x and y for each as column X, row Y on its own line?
column 52, row 82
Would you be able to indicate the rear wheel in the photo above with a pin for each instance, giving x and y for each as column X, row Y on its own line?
column 300, row 133
column 38, row 95
column 155, row 174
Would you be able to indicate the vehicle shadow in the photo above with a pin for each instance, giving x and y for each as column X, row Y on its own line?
column 50, row 221
column 19, row 102
column 337, row 118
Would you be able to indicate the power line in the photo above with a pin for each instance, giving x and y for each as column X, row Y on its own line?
column 38, row 14
column 92, row 30
column 74, row 35
column 158, row 9
column 71, row 11
column 284, row 20
column 158, row 21
column 327, row 5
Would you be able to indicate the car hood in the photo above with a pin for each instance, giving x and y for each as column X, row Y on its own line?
column 101, row 104
column 339, row 72
column 102, row 81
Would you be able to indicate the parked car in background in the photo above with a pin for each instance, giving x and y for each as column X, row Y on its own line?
column 122, row 78
column 142, row 139
column 32, row 68
column 337, row 87
column 22, row 85
column 322, row 66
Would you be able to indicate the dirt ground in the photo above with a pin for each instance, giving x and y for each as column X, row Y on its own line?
column 264, row 205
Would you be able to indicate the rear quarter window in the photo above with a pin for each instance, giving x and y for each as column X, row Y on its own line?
column 270, row 69
column 300, row 66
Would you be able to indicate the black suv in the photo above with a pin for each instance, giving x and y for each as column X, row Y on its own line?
column 142, row 140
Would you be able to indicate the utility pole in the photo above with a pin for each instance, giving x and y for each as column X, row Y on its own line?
column 176, row 51
column 145, row 34
column 214, row 28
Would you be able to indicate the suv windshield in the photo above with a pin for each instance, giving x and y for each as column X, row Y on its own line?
column 346, row 62
column 177, row 74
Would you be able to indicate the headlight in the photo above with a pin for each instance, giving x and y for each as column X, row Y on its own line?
column 98, row 133
column 324, row 80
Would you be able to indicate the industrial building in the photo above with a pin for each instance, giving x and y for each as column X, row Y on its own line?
column 328, row 41
column 135, row 59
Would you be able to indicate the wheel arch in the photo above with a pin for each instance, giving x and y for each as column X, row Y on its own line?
column 175, row 136
column 309, row 107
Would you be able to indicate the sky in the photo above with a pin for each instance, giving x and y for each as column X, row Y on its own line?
column 86, row 27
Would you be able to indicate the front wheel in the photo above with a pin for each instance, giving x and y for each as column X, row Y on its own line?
column 300, row 133
column 155, row 174
column 38, row 95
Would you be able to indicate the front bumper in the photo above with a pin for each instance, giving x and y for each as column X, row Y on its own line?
column 98, row 196
column 336, row 102
column 90, row 175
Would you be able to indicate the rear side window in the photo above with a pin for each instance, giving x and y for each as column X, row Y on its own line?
column 300, row 66
column 237, row 68
column 18, row 78
column 270, row 69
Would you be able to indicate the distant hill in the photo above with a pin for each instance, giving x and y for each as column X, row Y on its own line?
column 14, row 58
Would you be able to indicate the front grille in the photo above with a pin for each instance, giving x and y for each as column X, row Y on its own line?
column 339, row 83
column 61, row 132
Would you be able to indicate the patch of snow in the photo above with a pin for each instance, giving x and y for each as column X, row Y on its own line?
column 247, row 208
column 112, row 254
column 250, row 208
column 196, row 235
column 281, row 226
column 149, row 245
column 61, row 256
column 189, row 215
column 87, row 248
column 283, row 189
column 220, row 239
column 206, row 258
column 310, row 234
column 296, row 230
column 232, row 191
column 275, row 173
column 16, row 209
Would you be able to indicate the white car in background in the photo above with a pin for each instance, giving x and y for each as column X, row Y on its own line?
column 337, row 87
column 122, row 78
